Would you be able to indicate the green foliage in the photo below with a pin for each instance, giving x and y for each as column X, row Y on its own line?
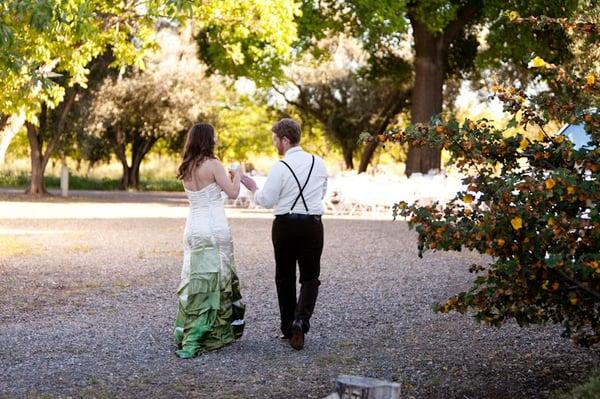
column 249, row 38
column 47, row 38
column 514, row 43
column 19, row 146
column 76, row 182
column 587, row 390
column 531, row 205
column 243, row 128
column 133, row 112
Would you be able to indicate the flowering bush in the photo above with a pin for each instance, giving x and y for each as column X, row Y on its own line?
column 530, row 204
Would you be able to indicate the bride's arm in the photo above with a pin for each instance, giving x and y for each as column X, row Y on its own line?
column 231, row 187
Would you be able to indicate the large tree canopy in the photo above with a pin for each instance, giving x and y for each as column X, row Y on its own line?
column 446, row 39
column 47, row 46
column 344, row 96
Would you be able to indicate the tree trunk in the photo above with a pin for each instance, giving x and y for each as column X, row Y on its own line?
column 38, row 166
column 116, row 139
column 431, row 52
column 35, row 135
column 367, row 155
column 134, row 173
column 131, row 174
column 126, row 178
column 348, row 155
column 430, row 67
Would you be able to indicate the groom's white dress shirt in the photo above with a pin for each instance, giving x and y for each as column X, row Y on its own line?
column 280, row 190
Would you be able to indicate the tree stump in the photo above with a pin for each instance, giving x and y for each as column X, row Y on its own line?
column 356, row 387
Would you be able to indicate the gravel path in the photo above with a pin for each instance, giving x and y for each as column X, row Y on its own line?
column 87, row 310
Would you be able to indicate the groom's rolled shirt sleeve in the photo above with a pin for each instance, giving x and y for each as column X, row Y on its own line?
column 324, row 189
column 268, row 195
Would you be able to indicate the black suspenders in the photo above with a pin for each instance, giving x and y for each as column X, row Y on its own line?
column 300, row 187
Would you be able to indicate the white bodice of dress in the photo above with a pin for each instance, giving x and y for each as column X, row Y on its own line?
column 209, row 196
column 206, row 222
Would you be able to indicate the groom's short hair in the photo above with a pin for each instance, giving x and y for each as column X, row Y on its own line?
column 287, row 128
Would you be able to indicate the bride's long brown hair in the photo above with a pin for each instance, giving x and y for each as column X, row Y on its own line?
column 199, row 146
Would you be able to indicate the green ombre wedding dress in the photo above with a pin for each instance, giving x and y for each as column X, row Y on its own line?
column 211, row 312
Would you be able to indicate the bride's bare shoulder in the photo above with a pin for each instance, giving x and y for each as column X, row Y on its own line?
column 215, row 163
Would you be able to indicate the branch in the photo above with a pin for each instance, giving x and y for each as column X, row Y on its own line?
column 118, row 146
column 464, row 17
column 302, row 106
column 578, row 284
column 58, row 130
column 3, row 121
column 287, row 100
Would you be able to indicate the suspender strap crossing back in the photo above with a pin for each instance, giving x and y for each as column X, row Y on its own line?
column 300, row 187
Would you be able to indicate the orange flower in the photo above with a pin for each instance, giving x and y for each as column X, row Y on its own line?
column 573, row 300
column 524, row 143
column 590, row 80
column 549, row 183
column 517, row 223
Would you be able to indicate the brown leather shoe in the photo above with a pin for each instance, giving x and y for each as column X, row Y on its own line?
column 297, row 340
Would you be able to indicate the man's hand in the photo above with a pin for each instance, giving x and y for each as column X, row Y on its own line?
column 249, row 183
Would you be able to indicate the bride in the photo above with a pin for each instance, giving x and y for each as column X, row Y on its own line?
column 210, row 312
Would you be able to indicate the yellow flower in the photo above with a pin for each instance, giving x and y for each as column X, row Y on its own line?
column 513, row 16
column 590, row 79
column 516, row 223
column 571, row 190
column 540, row 135
column 524, row 143
column 537, row 62
column 551, row 222
column 549, row 183
column 545, row 285
column 467, row 199
column 472, row 125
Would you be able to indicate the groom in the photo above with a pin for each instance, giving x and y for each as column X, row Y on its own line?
column 295, row 189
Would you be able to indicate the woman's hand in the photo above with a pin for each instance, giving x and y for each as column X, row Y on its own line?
column 235, row 172
column 230, row 183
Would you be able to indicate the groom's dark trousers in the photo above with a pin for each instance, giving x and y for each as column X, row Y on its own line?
column 297, row 239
